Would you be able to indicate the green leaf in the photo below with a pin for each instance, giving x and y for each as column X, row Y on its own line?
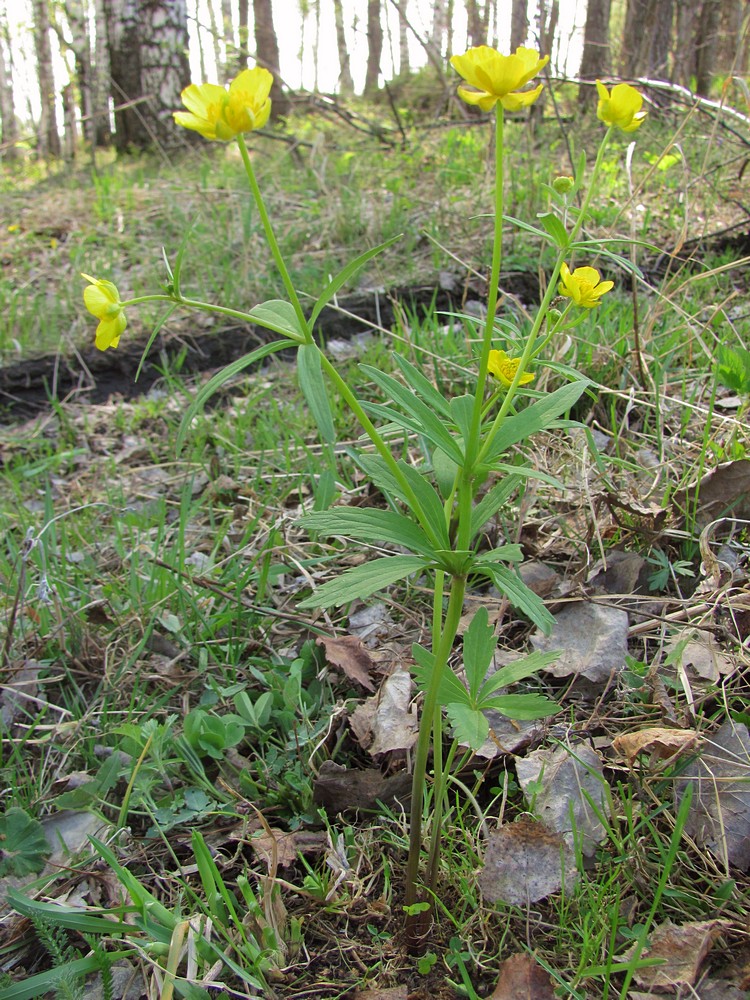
column 380, row 474
column 555, row 228
column 361, row 581
column 520, row 596
column 444, row 471
column 450, row 691
column 526, row 472
column 733, row 369
column 425, row 421
column 432, row 430
column 279, row 316
column 469, row 725
column 462, row 411
column 479, row 647
column 369, row 524
column 71, row 917
column 492, row 501
column 522, row 706
column 526, row 227
column 343, row 276
column 218, row 380
column 23, row 846
column 422, row 385
column 517, row 671
column 312, row 383
column 44, row 983
column 510, row 552
column 535, row 418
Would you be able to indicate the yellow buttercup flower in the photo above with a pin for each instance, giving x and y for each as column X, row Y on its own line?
column 504, row 369
column 499, row 78
column 622, row 107
column 103, row 301
column 217, row 113
column 583, row 286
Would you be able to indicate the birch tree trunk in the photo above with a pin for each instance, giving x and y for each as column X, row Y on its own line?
column 100, row 82
column 439, row 21
column 404, row 64
column 78, row 24
column 148, row 46
column 49, row 138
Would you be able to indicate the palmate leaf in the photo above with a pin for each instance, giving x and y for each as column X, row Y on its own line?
column 361, row 581
column 535, row 418
column 313, row 387
column 450, row 691
column 370, row 525
column 479, row 647
column 470, row 726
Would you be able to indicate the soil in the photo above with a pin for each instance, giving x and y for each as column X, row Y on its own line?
column 29, row 387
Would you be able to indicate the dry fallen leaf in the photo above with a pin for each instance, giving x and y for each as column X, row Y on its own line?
column 592, row 640
column 680, row 948
column 658, row 741
column 719, row 816
column 567, row 787
column 349, row 655
column 522, row 978
column 726, row 488
column 524, row 863
column 394, row 725
column 339, row 789
column 283, row 848
column 391, row 993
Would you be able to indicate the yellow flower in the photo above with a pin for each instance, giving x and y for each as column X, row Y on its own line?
column 498, row 77
column 621, row 108
column 222, row 114
column 504, row 369
column 103, row 301
column 583, row 285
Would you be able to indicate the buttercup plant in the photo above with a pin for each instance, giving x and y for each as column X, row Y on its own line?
column 436, row 514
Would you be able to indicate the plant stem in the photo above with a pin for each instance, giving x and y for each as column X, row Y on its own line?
column 271, row 237
column 441, row 654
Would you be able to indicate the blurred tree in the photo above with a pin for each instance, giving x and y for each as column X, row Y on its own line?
column 148, row 49
column 8, row 120
column 647, row 39
column 404, row 65
column 595, row 58
column 48, row 141
column 243, row 36
column 477, row 22
column 267, row 53
column 374, row 46
column 346, row 84
column 519, row 23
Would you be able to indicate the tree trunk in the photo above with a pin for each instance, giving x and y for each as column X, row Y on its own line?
column 477, row 16
column 243, row 35
column 519, row 24
column 267, row 53
column 148, row 44
column 439, row 24
column 216, row 36
column 647, row 38
column 595, row 58
column 100, row 79
column 78, row 24
column 404, row 65
column 49, row 138
column 8, row 149
column 346, row 84
column 705, row 50
column 230, row 41
column 374, row 46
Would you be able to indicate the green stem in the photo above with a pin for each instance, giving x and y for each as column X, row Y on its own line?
column 180, row 300
column 270, row 236
column 441, row 653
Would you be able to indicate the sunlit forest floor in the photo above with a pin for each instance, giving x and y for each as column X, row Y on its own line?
column 241, row 764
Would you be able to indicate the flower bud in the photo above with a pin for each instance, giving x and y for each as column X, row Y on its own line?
column 563, row 184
